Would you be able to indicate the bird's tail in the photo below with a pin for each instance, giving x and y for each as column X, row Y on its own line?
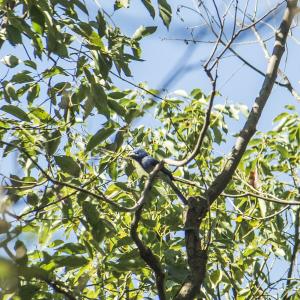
column 178, row 192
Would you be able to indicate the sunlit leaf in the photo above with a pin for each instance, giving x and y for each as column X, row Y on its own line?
column 149, row 7
column 10, row 60
column 99, row 137
column 16, row 112
column 215, row 277
column 68, row 165
column 165, row 12
column 121, row 4
column 143, row 31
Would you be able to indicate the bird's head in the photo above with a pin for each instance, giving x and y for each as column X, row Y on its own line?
column 138, row 154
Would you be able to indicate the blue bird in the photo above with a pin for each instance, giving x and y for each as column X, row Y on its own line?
column 148, row 163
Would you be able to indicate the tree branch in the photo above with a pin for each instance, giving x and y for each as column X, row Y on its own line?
column 196, row 255
column 203, row 129
column 294, row 254
column 287, row 83
column 145, row 252
column 268, row 199
column 249, row 128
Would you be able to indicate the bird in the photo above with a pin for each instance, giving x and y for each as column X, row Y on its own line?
column 148, row 163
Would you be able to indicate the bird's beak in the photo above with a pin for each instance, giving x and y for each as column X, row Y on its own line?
column 132, row 154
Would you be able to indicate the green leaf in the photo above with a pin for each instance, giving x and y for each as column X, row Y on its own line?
column 27, row 291
column 68, row 165
column 95, row 40
column 22, row 77
column 71, row 248
column 233, row 112
column 37, row 19
column 88, row 107
column 13, row 35
column 239, row 219
column 165, row 12
column 30, row 64
column 32, row 198
column 121, row 3
column 250, row 251
column 265, row 168
column 21, row 252
column 81, row 6
column 281, row 116
column 99, row 99
column 61, row 50
column 11, row 92
column 10, row 147
column 44, row 233
column 215, row 277
column 53, row 140
column 99, row 137
column 116, row 107
column 283, row 151
column 119, row 139
column 124, row 241
column 71, row 261
column 33, row 93
column 53, row 71
column 98, row 231
column 101, row 24
column 290, row 107
column 15, row 111
column 90, row 212
column 177, row 272
column 262, row 207
column 280, row 252
column 117, row 95
column 217, row 134
column 113, row 170
column 10, row 60
column 143, row 31
column 150, row 8
column 128, row 261
column 237, row 273
column 196, row 93
column 41, row 114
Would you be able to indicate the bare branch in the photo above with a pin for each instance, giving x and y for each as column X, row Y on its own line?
column 203, row 129
column 269, row 199
column 286, row 80
column 249, row 128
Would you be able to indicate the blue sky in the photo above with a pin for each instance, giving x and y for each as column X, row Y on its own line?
column 237, row 83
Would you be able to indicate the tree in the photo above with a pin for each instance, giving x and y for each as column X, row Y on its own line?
column 80, row 220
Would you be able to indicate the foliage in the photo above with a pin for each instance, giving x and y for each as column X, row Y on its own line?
column 68, row 243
